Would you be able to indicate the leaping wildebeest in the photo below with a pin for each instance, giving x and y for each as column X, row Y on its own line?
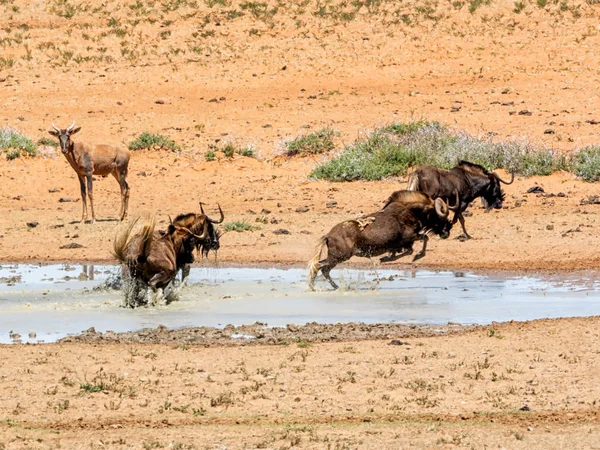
column 467, row 179
column 154, row 257
column 392, row 229
column 94, row 159
column 200, row 224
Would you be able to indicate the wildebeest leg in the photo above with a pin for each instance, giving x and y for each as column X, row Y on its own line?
column 325, row 270
column 419, row 255
column 460, row 217
column 83, row 198
column 185, row 274
column 121, row 176
column 394, row 257
column 90, row 194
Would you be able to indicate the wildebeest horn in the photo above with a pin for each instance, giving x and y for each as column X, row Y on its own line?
column 55, row 127
column 170, row 220
column 216, row 221
column 202, row 237
column 512, row 178
column 441, row 208
column 71, row 127
column 456, row 205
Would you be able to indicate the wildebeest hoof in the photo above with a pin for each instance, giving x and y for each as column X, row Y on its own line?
column 463, row 237
column 418, row 256
column 385, row 259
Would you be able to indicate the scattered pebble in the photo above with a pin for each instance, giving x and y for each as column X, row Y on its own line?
column 535, row 190
column 72, row 245
column 32, row 224
column 281, row 231
column 549, row 227
column 302, row 209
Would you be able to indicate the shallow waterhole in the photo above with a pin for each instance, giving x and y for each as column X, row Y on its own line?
column 53, row 301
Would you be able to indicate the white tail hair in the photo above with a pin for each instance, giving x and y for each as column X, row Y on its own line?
column 313, row 264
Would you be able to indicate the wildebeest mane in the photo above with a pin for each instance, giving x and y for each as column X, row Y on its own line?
column 184, row 216
column 470, row 165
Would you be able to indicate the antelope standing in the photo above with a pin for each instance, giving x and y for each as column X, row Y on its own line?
column 94, row 159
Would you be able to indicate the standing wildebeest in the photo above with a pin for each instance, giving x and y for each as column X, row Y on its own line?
column 392, row 229
column 153, row 256
column 94, row 159
column 468, row 180
column 200, row 223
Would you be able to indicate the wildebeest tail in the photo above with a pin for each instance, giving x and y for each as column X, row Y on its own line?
column 146, row 234
column 413, row 182
column 121, row 239
column 313, row 264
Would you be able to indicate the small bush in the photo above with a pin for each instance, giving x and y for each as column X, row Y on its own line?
column 147, row 141
column 239, row 226
column 47, row 141
column 14, row 143
column 586, row 164
column 210, row 155
column 229, row 149
column 319, row 141
column 91, row 387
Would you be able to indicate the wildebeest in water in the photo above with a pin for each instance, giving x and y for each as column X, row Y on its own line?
column 153, row 257
column 392, row 229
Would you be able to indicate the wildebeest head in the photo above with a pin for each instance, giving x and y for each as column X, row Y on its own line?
column 492, row 193
column 64, row 136
column 202, row 224
column 438, row 222
column 212, row 240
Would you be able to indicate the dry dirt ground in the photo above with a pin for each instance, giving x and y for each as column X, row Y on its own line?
column 257, row 73
column 513, row 385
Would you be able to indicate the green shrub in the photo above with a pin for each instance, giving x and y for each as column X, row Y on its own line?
column 146, row 141
column 47, row 141
column 210, row 155
column 239, row 226
column 229, row 149
column 319, row 141
column 586, row 163
column 391, row 150
column 14, row 143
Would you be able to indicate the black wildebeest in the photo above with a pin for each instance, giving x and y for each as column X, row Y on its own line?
column 154, row 257
column 94, row 159
column 391, row 229
column 467, row 180
column 200, row 224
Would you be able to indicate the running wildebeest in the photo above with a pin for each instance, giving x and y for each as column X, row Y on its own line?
column 391, row 229
column 154, row 257
column 200, row 223
column 468, row 180
column 94, row 159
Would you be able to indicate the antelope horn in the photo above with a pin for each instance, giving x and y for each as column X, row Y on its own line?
column 216, row 221
column 201, row 208
column 441, row 208
column 456, row 205
column 512, row 178
column 170, row 220
column 55, row 127
column 71, row 127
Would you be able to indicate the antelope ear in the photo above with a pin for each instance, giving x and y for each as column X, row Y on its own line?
column 53, row 133
column 75, row 130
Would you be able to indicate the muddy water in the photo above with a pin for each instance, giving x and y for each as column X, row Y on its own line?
column 46, row 303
